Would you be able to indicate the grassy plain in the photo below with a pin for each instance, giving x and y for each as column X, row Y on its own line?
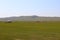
column 30, row 31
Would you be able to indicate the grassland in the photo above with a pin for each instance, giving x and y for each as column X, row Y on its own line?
column 30, row 31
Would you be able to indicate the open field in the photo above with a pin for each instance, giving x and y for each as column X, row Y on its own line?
column 30, row 31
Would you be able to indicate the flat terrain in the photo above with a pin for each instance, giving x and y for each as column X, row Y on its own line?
column 30, row 31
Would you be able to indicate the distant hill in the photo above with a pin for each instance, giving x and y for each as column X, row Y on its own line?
column 31, row 18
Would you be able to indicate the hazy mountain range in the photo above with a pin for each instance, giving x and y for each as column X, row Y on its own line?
column 31, row 18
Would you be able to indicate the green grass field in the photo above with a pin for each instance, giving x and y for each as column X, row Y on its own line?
column 30, row 31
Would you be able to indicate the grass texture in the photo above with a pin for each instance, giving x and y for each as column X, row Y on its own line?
column 30, row 31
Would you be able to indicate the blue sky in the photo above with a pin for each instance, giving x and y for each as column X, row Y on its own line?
column 29, row 7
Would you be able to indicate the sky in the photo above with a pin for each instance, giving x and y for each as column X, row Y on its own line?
column 10, row 8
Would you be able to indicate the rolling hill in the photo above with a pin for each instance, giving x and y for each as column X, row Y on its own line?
column 30, row 18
